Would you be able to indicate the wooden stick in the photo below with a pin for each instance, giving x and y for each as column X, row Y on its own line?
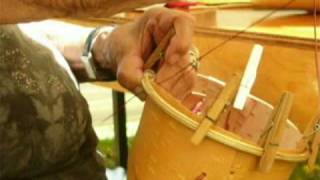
column 225, row 98
column 249, row 77
column 309, row 133
column 314, row 151
column 276, row 133
column 312, row 135
column 158, row 52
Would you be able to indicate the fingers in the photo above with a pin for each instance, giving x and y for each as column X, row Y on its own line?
column 178, row 79
column 183, row 24
column 130, row 74
column 184, row 86
column 147, row 39
column 163, row 20
column 151, row 29
column 169, row 74
column 182, row 41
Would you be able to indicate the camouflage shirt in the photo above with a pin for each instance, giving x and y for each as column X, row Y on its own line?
column 45, row 125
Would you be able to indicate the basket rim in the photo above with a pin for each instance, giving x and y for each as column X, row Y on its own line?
column 213, row 134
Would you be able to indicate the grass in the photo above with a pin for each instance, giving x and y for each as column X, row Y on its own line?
column 302, row 172
column 106, row 148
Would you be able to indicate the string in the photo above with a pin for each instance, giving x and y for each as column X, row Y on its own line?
column 245, row 29
column 121, row 108
column 213, row 49
column 316, row 121
column 232, row 38
column 316, row 56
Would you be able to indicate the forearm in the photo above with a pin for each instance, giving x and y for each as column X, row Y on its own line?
column 69, row 39
column 13, row 11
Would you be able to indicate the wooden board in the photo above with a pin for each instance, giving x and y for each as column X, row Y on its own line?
column 296, row 4
column 114, row 85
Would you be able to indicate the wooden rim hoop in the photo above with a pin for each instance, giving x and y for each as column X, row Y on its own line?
column 216, row 134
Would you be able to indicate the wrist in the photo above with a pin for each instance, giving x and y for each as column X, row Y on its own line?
column 96, row 66
column 102, row 53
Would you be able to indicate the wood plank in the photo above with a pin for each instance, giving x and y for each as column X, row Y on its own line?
column 296, row 4
column 114, row 85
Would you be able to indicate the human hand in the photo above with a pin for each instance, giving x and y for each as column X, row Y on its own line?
column 127, row 48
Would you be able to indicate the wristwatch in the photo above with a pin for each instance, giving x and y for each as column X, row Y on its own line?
column 94, row 72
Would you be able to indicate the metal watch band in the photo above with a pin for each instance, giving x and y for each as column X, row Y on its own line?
column 93, row 71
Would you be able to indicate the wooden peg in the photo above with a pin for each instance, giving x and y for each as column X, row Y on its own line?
column 314, row 134
column 309, row 134
column 224, row 99
column 275, row 135
column 158, row 52
column 314, row 151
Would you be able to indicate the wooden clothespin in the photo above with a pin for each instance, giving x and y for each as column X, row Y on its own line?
column 311, row 140
column 314, row 150
column 158, row 53
column 309, row 133
column 279, row 121
column 313, row 137
column 224, row 99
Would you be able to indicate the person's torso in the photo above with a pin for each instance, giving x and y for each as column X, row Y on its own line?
column 44, row 120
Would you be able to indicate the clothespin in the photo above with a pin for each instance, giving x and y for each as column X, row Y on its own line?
column 311, row 140
column 158, row 53
column 249, row 77
column 314, row 151
column 224, row 99
column 279, row 120
column 314, row 146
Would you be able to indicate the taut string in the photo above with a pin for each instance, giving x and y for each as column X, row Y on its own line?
column 180, row 72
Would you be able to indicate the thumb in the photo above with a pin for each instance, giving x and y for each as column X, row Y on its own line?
column 130, row 74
